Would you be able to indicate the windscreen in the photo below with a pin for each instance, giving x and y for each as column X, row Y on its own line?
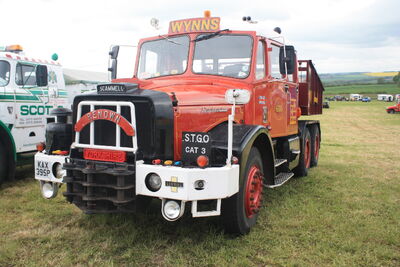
column 225, row 55
column 4, row 72
column 163, row 57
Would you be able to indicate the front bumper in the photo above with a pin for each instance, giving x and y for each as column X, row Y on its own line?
column 45, row 166
column 180, row 183
column 105, row 187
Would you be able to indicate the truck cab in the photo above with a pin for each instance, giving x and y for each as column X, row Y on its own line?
column 29, row 89
column 208, row 119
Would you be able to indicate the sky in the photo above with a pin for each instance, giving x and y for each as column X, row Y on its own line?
column 338, row 35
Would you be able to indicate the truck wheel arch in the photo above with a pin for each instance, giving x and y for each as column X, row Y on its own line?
column 8, row 142
column 244, row 138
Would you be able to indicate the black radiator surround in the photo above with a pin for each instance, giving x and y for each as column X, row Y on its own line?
column 154, row 122
column 109, row 187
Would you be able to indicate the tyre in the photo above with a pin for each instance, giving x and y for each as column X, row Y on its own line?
column 391, row 111
column 3, row 162
column 240, row 211
column 305, row 155
column 315, row 144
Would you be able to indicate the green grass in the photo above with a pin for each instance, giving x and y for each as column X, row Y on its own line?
column 368, row 89
column 344, row 213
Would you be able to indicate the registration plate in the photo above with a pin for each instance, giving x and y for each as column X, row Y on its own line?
column 42, row 169
column 104, row 155
column 195, row 144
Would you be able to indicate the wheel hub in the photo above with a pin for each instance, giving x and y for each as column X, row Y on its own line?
column 254, row 189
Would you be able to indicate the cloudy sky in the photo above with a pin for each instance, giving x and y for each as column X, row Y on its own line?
column 338, row 35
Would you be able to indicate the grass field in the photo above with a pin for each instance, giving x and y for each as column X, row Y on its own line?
column 367, row 89
column 346, row 212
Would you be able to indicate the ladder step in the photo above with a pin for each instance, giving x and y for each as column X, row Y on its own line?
column 280, row 179
column 279, row 162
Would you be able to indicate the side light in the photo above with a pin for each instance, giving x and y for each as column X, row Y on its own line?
column 156, row 161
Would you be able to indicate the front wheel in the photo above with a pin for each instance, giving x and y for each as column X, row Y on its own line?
column 240, row 212
column 391, row 111
column 305, row 155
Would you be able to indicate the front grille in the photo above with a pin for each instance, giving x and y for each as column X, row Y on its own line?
column 100, row 187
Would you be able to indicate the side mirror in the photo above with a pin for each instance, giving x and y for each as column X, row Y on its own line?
column 41, row 75
column 113, row 69
column 114, row 52
column 289, row 60
column 237, row 96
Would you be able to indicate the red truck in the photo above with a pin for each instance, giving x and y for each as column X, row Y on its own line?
column 394, row 109
column 208, row 119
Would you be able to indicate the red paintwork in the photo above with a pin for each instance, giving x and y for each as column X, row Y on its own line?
column 199, row 95
column 105, row 114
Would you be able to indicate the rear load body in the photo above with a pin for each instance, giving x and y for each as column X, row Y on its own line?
column 206, row 121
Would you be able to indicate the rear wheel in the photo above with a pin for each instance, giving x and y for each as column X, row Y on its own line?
column 305, row 155
column 315, row 145
column 240, row 212
column 3, row 162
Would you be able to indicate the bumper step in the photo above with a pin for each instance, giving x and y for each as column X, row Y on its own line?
column 279, row 162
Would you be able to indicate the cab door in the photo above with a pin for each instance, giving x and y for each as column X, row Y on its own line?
column 278, row 94
column 261, row 108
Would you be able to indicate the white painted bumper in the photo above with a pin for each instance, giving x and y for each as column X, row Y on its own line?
column 44, row 167
column 219, row 182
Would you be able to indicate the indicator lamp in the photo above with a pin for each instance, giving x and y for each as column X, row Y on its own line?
column 207, row 13
column 168, row 162
column 202, row 161
column 54, row 57
column 40, row 146
column 177, row 163
column 235, row 160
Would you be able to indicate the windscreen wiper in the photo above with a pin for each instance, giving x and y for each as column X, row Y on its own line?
column 169, row 40
column 209, row 36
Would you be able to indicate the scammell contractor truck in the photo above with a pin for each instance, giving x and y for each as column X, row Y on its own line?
column 208, row 120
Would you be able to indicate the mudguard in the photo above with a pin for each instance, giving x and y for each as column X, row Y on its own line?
column 244, row 138
column 8, row 139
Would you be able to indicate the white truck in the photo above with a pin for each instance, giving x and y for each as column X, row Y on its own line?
column 29, row 89
column 355, row 97
column 385, row 97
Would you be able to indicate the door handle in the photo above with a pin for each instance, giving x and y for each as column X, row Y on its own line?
column 286, row 87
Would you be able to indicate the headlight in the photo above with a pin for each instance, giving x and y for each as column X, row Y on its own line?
column 172, row 210
column 49, row 190
column 58, row 172
column 153, row 182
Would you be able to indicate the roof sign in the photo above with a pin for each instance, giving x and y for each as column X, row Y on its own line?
column 194, row 25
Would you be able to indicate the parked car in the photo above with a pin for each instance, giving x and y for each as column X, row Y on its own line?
column 325, row 104
column 339, row 98
column 366, row 99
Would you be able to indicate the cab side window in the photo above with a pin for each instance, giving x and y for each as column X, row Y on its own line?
column 274, row 61
column 25, row 75
column 260, row 64
column 4, row 73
